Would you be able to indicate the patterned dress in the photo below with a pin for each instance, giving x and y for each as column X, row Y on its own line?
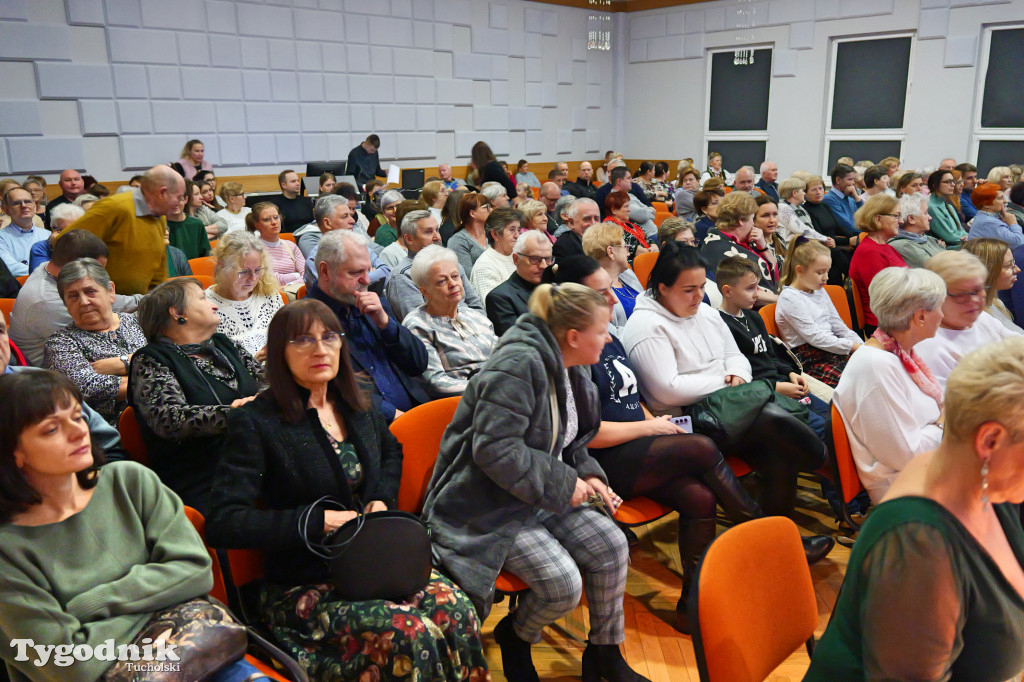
column 432, row 635
column 246, row 322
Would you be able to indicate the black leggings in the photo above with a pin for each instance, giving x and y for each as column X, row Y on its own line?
column 778, row 446
column 666, row 469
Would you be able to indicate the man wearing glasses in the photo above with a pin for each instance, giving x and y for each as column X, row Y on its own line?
column 16, row 239
column 507, row 301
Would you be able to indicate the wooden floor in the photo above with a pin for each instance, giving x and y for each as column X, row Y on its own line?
column 653, row 647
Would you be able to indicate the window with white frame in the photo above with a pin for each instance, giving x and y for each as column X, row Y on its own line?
column 867, row 98
column 998, row 135
column 738, row 93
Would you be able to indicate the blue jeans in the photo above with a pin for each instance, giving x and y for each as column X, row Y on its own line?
column 236, row 672
column 819, row 417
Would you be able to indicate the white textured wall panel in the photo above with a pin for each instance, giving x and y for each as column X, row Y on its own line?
column 135, row 46
column 188, row 15
column 98, row 117
column 19, row 40
column 269, row 22
column 84, row 12
column 52, row 154
column 316, row 25
column 144, row 151
column 20, row 117
column 67, row 81
column 134, row 117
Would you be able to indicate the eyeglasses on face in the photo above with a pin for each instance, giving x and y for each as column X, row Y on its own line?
column 258, row 272
column 964, row 296
column 18, row 203
column 891, row 215
column 538, row 260
column 307, row 342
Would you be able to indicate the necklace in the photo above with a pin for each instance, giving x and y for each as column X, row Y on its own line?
column 741, row 318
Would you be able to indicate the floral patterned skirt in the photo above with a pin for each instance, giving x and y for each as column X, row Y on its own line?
column 432, row 636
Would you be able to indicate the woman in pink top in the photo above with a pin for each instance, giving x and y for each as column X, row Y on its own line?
column 285, row 258
column 192, row 159
column 879, row 220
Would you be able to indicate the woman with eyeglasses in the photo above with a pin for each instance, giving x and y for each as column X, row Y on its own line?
column 945, row 223
column 286, row 262
column 183, row 383
column 965, row 324
column 313, row 434
column 244, row 291
column 235, row 210
column 879, row 221
column 997, row 257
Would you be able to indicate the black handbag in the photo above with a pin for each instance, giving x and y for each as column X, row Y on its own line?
column 362, row 559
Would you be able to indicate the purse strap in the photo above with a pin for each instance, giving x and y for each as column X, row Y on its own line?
column 335, row 550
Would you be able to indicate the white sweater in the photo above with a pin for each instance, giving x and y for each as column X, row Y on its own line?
column 246, row 321
column 490, row 270
column 236, row 221
column 943, row 351
column 680, row 360
column 888, row 418
column 810, row 317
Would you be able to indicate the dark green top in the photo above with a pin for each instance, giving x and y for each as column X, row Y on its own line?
column 189, row 235
column 922, row 600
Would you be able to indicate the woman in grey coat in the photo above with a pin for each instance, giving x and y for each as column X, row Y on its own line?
column 515, row 488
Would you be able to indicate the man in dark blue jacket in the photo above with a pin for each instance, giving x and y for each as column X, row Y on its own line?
column 378, row 346
column 969, row 174
column 364, row 161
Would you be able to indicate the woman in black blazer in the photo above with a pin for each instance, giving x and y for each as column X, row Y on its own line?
column 312, row 434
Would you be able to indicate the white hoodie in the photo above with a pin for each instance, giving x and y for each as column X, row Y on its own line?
column 680, row 360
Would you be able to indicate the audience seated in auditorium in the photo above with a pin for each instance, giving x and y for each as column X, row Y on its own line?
column 18, row 238
column 316, row 435
column 495, row 265
column 435, row 196
column 535, row 218
column 216, row 226
column 705, row 204
column 185, row 232
column 39, row 311
column 997, row 257
column 451, row 220
column 969, row 174
column 495, row 194
column 132, row 226
column 193, row 158
column 62, row 216
column 457, row 337
column 645, row 177
column 235, row 209
column 879, row 221
column 177, row 261
column 734, row 234
column 683, row 353
column 296, row 210
column 912, row 242
column 95, row 349
column 825, row 223
column 876, row 181
column 334, row 212
column 689, row 184
column 945, row 223
column 182, row 385
column 211, row 198
column 965, row 324
column 579, row 216
column 36, row 185
column 71, row 185
column 641, row 211
column 510, row 299
column 1015, row 205
column 444, row 170
column 143, row 555
column 390, row 356
column 794, row 220
column 531, row 519
column 843, row 199
column 364, row 161
column 768, row 184
column 909, row 182
column 743, row 181
column 523, row 193
column 1001, row 176
column 386, row 232
column 932, row 589
column 714, row 170
column 584, row 187
column 549, row 195
column 766, row 219
column 994, row 220
column 561, row 213
column 244, row 291
column 470, row 239
column 605, row 243
column 419, row 230
column 808, row 322
column 286, row 261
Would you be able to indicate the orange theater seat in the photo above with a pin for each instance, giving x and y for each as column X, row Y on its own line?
column 768, row 315
column 419, row 431
column 660, row 206
column 287, row 236
column 203, row 266
column 847, row 476
column 6, row 307
column 131, row 437
column 22, row 279
column 643, row 263
column 640, row 510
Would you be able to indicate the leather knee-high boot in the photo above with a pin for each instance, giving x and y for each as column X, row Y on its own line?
column 694, row 537
column 732, row 496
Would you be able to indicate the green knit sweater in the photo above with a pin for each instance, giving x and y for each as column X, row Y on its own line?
column 99, row 574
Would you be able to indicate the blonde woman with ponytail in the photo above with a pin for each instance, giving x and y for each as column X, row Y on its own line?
column 515, row 488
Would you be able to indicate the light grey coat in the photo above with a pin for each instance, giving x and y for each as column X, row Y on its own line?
column 497, row 465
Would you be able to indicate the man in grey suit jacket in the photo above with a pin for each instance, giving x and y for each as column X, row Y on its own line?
column 510, row 299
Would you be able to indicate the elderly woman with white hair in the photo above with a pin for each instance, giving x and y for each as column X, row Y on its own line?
column 890, row 401
column 61, row 216
column 496, row 194
column 244, row 291
column 459, row 339
column 965, row 324
column 912, row 241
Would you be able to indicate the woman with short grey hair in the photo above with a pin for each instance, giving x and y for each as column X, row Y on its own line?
column 95, row 350
column 890, row 401
column 459, row 339
column 387, row 231
column 913, row 241
column 497, row 195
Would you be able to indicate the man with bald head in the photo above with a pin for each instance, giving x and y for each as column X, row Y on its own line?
column 767, row 183
column 444, row 171
column 132, row 225
column 584, row 187
column 71, row 186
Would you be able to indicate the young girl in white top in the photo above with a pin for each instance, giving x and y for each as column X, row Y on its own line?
column 808, row 321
